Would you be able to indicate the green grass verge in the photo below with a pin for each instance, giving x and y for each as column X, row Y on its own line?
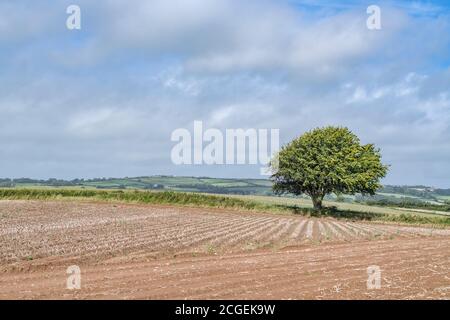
column 213, row 201
column 150, row 197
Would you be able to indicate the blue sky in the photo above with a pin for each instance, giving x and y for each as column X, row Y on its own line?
column 102, row 101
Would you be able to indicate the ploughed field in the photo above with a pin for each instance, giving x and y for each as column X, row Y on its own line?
column 163, row 252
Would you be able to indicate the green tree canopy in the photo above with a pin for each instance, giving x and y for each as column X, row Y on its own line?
column 327, row 160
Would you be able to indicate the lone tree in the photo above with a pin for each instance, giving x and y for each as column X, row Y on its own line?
column 327, row 160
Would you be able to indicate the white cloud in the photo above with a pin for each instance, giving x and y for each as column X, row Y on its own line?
column 18, row 23
column 101, row 122
column 231, row 35
column 108, row 97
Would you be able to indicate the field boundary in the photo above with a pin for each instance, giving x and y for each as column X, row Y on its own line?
column 211, row 201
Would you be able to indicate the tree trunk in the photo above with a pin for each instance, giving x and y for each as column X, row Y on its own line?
column 317, row 202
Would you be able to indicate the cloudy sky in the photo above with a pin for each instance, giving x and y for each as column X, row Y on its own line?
column 103, row 101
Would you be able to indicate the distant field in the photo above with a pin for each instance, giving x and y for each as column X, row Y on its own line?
column 393, row 195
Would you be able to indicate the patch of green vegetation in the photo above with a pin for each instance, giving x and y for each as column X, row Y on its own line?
column 418, row 219
column 211, row 249
column 170, row 183
column 151, row 197
column 404, row 202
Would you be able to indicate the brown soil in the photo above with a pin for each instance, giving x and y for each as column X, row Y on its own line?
column 160, row 252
